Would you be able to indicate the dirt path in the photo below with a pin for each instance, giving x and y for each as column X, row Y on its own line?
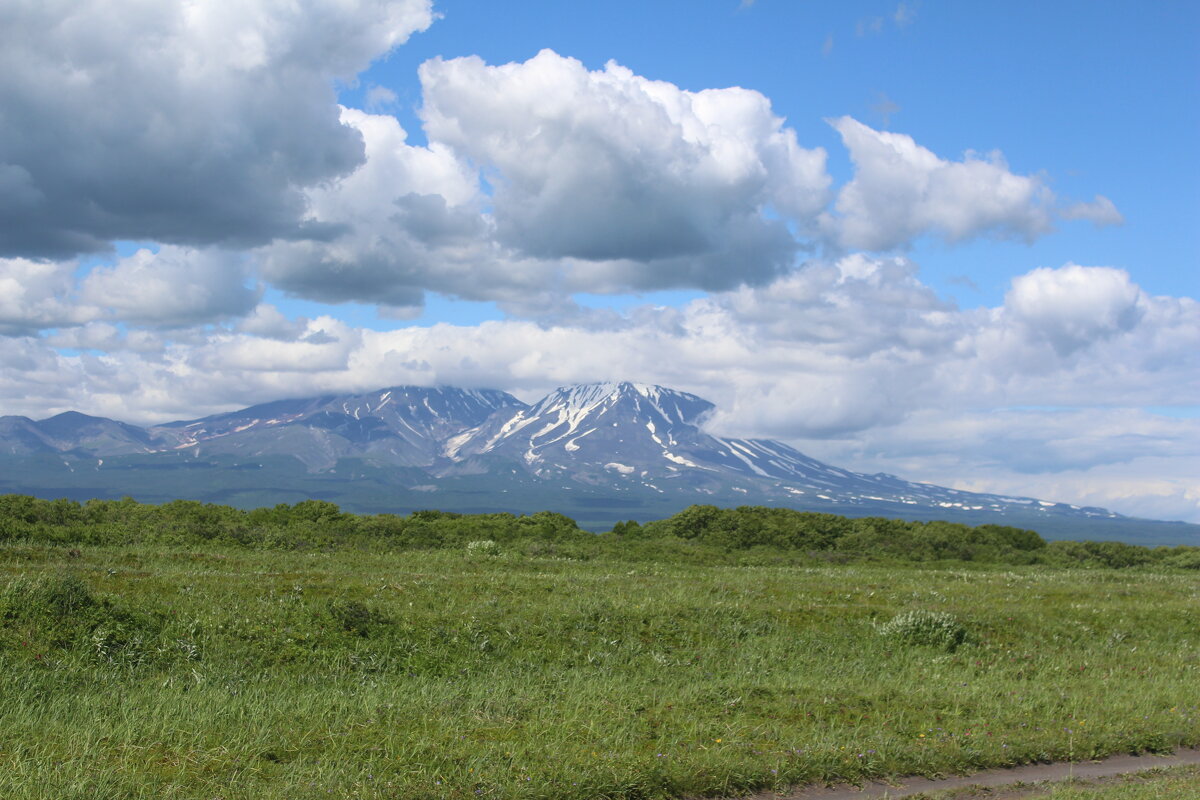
column 1033, row 773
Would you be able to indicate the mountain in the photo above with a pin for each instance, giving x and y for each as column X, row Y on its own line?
column 403, row 426
column 593, row 430
column 74, row 433
column 627, row 435
column 600, row 452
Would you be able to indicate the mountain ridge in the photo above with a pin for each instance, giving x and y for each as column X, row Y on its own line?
column 600, row 449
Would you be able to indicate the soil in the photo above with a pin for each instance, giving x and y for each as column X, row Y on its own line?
column 1013, row 782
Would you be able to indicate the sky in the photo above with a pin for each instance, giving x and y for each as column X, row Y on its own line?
column 957, row 242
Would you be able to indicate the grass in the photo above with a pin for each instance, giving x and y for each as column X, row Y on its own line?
column 154, row 671
column 1170, row 784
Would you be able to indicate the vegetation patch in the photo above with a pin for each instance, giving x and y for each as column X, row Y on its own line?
column 922, row 627
column 304, row 653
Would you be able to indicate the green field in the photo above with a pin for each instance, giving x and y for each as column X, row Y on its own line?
column 563, row 665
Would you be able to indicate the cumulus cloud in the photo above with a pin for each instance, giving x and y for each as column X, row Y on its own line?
column 325, row 345
column 655, row 185
column 175, row 287
column 832, row 349
column 409, row 219
column 36, row 295
column 269, row 322
column 1074, row 306
column 541, row 179
column 901, row 190
column 177, row 122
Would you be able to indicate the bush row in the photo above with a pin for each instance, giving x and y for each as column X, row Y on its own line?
column 695, row 531
column 308, row 524
column 754, row 527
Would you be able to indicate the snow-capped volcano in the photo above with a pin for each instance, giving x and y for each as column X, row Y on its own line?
column 600, row 451
column 589, row 423
column 631, row 436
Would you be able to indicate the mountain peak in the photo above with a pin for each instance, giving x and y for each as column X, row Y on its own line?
column 641, row 399
column 591, row 423
column 74, row 417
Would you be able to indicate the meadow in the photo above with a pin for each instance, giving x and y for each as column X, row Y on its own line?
column 544, row 667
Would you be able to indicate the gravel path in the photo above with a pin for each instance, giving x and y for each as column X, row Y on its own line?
column 1032, row 773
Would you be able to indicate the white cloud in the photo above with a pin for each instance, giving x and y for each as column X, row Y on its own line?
column 829, row 350
column 1124, row 459
column 901, row 190
column 269, row 322
column 380, row 97
column 1100, row 212
column 855, row 361
column 1074, row 306
column 599, row 182
column 183, row 122
column 654, row 185
column 213, row 128
column 175, row 287
column 409, row 219
column 91, row 336
column 36, row 295
column 326, row 345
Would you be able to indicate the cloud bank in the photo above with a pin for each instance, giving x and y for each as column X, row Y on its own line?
column 220, row 144
column 189, row 123
column 854, row 360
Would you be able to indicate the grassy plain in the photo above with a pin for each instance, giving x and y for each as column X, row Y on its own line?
column 221, row 672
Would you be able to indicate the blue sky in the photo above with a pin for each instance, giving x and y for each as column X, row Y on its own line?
column 1100, row 96
column 953, row 241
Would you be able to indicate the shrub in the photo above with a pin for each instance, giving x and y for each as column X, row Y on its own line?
column 61, row 600
column 483, row 547
column 1184, row 558
column 357, row 617
column 921, row 627
column 61, row 612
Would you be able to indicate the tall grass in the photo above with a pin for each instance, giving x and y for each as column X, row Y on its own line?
column 156, row 671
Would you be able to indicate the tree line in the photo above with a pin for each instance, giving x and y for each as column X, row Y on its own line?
column 747, row 534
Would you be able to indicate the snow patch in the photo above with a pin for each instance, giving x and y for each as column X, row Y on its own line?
column 571, row 447
column 678, row 459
